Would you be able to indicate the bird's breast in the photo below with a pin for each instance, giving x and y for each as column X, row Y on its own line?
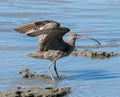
column 50, row 55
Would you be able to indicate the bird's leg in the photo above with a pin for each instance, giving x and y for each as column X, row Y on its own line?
column 56, row 69
column 50, row 71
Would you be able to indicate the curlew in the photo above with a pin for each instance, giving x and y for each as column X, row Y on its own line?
column 51, row 43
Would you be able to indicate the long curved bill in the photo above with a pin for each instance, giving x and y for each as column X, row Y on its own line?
column 82, row 36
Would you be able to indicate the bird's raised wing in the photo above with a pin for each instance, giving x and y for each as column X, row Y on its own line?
column 38, row 28
column 50, row 34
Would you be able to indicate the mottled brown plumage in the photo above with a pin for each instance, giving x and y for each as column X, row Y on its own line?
column 51, row 43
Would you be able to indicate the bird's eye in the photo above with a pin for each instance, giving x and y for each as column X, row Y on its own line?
column 75, row 35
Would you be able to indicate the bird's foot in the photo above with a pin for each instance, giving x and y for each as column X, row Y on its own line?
column 58, row 78
column 53, row 79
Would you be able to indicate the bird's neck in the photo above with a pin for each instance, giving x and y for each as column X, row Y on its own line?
column 71, row 42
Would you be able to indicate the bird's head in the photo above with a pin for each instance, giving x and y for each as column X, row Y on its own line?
column 74, row 36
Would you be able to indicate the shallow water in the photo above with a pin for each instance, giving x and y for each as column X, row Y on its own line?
column 99, row 19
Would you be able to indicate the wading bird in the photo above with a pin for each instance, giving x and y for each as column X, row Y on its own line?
column 51, row 43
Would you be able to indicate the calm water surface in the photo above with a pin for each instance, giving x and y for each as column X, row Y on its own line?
column 88, row 77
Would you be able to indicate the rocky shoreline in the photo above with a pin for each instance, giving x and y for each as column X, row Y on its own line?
column 36, row 92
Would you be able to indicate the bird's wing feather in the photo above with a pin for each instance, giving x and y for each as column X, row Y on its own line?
column 50, row 33
column 37, row 28
column 54, row 39
column 23, row 29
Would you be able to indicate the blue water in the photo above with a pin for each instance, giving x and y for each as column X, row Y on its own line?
column 88, row 77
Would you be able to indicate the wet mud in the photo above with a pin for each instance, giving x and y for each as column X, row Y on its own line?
column 26, row 73
column 97, row 54
column 36, row 92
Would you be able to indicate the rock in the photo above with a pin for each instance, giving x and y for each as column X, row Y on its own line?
column 36, row 92
column 26, row 74
column 98, row 54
